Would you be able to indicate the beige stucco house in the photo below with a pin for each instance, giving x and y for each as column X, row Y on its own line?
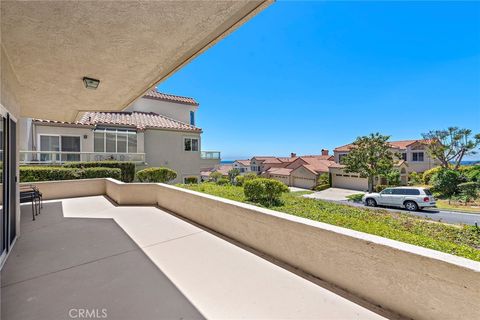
column 156, row 130
column 294, row 171
column 413, row 158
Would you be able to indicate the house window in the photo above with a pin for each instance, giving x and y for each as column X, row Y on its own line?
column 191, row 144
column 60, row 143
column 115, row 141
column 340, row 157
column 417, row 156
column 192, row 118
column 404, row 156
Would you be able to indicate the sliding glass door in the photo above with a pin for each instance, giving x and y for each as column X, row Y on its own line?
column 3, row 242
column 8, row 185
column 69, row 145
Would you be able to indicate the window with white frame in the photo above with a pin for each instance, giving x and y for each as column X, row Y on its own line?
column 115, row 140
column 417, row 156
column 56, row 143
column 190, row 144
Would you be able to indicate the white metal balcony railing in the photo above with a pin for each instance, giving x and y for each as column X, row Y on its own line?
column 59, row 157
column 214, row 155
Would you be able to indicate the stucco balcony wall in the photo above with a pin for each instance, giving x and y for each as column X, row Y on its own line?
column 412, row 281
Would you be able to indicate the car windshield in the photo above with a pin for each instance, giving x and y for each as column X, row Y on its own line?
column 428, row 192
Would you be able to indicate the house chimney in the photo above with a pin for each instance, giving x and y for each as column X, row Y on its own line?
column 293, row 155
column 324, row 152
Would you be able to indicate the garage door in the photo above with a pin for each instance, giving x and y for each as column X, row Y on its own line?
column 349, row 182
column 304, row 183
column 283, row 179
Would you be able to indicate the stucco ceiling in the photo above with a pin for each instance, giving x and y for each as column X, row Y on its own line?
column 130, row 46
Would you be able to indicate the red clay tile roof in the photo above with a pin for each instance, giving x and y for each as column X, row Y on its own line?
column 267, row 159
column 138, row 120
column 280, row 171
column 243, row 162
column 317, row 163
column 223, row 169
column 154, row 94
column 402, row 144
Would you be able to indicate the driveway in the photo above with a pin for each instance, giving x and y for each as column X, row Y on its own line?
column 332, row 194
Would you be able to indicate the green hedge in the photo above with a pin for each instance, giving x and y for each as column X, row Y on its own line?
column 41, row 173
column 158, row 175
column 127, row 168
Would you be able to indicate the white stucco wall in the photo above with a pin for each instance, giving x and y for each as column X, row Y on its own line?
column 177, row 111
column 166, row 149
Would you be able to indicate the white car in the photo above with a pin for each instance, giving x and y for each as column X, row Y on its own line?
column 410, row 198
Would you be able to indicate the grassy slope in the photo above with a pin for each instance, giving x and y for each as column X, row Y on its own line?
column 462, row 241
column 444, row 205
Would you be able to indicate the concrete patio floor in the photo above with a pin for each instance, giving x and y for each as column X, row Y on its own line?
column 145, row 263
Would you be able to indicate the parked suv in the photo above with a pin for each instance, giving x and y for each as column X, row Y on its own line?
column 409, row 198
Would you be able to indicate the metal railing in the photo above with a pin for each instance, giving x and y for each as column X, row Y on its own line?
column 59, row 157
column 215, row 155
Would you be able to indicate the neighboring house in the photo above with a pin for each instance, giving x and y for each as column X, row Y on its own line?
column 243, row 166
column 303, row 171
column 296, row 171
column 156, row 130
column 222, row 168
column 413, row 158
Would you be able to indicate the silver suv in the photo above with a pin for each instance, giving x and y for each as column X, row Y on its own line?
column 410, row 198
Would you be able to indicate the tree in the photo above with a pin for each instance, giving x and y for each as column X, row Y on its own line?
column 451, row 145
column 215, row 176
column 232, row 174
column 370, row 156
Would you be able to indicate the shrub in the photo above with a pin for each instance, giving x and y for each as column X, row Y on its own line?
column 380, row 187
column 127, row 168
column 222, row 181
column 323, row 179
column 249, row 176
column 321, row 187
column 469, row 190
column 215, row 176
column 43, row 173
column 414, row 178
column 156, row 174
column 191, row 180
column 264, row 191
column 393, row 178
column 91, row 173
column 239, row 180
column 446, row 181
column 357, row 197
column 427, row 175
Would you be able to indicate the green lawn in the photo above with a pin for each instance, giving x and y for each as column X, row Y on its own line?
column 463, row 241
column 444, row 205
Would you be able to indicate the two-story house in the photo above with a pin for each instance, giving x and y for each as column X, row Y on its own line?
column 156, row 130
column 243, row 166
column 413, row 158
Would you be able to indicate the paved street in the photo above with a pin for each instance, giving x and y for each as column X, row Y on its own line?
column 339, row 196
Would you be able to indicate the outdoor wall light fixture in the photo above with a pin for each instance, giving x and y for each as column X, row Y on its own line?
column 91, row 83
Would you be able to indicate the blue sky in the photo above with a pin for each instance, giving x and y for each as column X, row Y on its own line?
column 302, row 76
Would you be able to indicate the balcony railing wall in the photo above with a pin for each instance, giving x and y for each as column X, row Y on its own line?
column 60, row 157
column 214, row 155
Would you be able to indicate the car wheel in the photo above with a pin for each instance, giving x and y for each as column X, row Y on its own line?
column 411, row 206
column 371, row 202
